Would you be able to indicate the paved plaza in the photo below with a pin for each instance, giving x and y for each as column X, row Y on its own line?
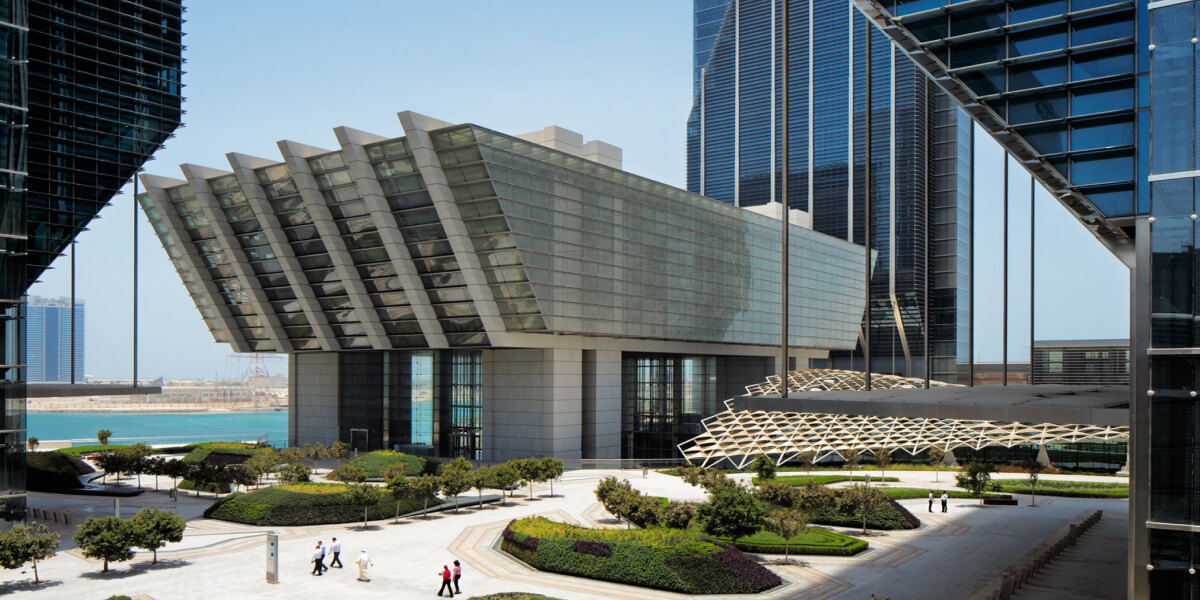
column 948, row 558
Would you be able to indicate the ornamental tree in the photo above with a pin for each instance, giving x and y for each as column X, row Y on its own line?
column 399, row 488
column 861, row 501
column 937, row 456
column 552, row 468
column 764, row 466
column 786, row 523
column 27, row 543
column 107, row 538
column 154, row 528
column 505, row 478
column 456, row 478
column 975, row 478
column 363, row 495
column 426, row 485
column 731, row 512
column 1032, row 469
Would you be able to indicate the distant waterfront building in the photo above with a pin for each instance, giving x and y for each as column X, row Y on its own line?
column 1088, row 362
column 48, row 340
column 495, row 296
column 909, row 153
column 91, row 90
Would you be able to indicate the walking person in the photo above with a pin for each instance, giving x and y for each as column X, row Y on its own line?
column 318, row 559
column 457, row 574
column 945, row 502
column 336, row 549
column 930, row 500
column 446, row 587
column 363, row 563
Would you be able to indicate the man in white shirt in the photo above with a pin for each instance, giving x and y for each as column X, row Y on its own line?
column 336, row 549
column 318, row 559
column 945, row 502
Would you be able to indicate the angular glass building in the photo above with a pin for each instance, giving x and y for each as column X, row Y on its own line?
column 90, row 90
column 863, row 122
column 1098, row 100
column 462, row 292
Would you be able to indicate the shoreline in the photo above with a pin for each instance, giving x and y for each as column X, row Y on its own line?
column 158, row 410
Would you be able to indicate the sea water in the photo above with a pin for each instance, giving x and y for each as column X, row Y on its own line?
column 160, row 428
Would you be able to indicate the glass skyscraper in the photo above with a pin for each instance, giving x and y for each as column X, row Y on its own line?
column 49, row 337
column 1098, row 100
column 89, row 91
column 911, row 150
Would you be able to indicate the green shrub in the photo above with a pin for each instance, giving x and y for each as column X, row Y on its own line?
column 215, row 488
column 117, row 598
column 1069, row 489
column 889, row 516
column 53, row 471
column 373, row 464
column 77, row 451
column 814, row 540
column 304, row 504
column 825, row 479
column 913, row 493
column 667, row 559
column 512, row 596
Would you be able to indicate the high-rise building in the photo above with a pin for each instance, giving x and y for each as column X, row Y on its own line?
column 476, row 294
column 90, row 90
column 910, row 152
column 53, row 343
column 1098, row 101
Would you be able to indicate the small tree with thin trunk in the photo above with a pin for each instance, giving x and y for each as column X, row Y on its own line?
column 504, row 477
column 936, row 456
column 350, row 474
column 806, row 459
column 27, row 543
column 975, row 479
column 1032, row 469
column 154, row 528
column 32, row 443
column 552, row 468
column 291, row 455
column 399, row 488
column 786, row 523
column 363, row 495
column 692, row 474
column 530, row 469
column 107, row 538
column 480, row 479
column 339, row 451
column 456, row 478
column 861, row 501
column 315, row 452
column 103, row 435
column 883, row 458
column 426, row 485
column 851, row 462
column 764, row 467
column 731, row 512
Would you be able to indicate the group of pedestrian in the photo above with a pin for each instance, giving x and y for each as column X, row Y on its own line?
column 335, row 549
column 945, row 501
column 449, row 577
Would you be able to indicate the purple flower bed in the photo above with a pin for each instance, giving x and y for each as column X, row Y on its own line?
column 593, row 548
column 746, row 568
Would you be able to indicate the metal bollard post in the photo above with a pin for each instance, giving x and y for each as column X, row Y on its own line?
column 272, row 557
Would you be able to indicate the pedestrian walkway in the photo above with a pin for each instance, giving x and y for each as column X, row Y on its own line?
column 1092, row 569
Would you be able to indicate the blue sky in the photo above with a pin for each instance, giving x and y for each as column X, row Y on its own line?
column 619, row 71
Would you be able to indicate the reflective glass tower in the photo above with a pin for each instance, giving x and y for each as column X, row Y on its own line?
column 50, row 334
column 89, row 91
column 1098, row 100
column 863, row 122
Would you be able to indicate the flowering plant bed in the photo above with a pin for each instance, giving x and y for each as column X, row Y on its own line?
column 666, row 559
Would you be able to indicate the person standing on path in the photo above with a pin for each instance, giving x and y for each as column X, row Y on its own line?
column 446, row 582
column 363, row 563
column 318, row 559
column 457, row 574
column 336, row 549
column 945, row 502
column 930, row 500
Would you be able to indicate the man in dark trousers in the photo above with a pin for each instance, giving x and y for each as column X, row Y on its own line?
column 945, row 502
column 336, row 549
column 446, row 587
column 318, row 559
column 930, row 500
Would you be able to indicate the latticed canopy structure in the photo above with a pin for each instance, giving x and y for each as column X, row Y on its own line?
column 738, row 436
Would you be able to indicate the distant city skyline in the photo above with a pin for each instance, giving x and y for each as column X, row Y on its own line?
column 620, row 72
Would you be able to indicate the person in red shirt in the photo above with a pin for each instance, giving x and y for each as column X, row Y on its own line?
column 446, row 582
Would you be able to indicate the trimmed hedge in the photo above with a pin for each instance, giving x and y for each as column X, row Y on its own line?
column 54, row 471
column 77, row 451
column 1069, row 489
column 512, row 596
column 913, row 493
column 890, row 516
column 814, row 540
column 824, row 479
column 666, row 559
column 373, row 464
column 216, row 488
column 304, row 504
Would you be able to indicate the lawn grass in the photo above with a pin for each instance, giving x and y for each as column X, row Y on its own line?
column 305, row 504
column 373, row 464
column 912, row 493
column 77, row 451
column 1069, row 489
column 813, row 540
column 824, row 479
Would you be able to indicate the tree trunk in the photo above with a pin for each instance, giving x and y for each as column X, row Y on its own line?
column 105, row 569
column 425, row 509
column 365, row 517
column 456, row 503
column 154, row 560
column 530, row 490
column 551, row 487
column 480, row 490
column 35, row 573
column 397, row 519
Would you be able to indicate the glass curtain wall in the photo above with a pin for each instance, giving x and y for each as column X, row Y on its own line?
column 664, row 397
column 13, row 175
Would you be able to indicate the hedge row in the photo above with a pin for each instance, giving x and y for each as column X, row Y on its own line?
column 54, row 471
column 283, row 505
column 77, row 451
column 1069, row 489
column 236, row 452
column 890, row 516
column 830, row 543
column 912, row 493
column 512, row 596
column 373, row 464
column 824, row 479
column 679, row 561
